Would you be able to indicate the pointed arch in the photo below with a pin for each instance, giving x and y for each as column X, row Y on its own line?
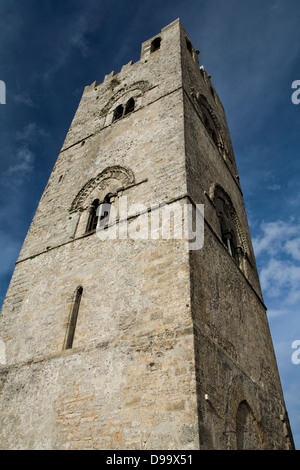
column 248, row 434
column 243, row 419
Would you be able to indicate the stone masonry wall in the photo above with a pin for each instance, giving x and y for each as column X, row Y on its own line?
column 235, row 360
column 129, row 379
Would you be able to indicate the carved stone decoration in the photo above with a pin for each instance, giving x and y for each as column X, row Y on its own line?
column 217, row 191
column 201, row 99
column 124, row 175
column 140, row 86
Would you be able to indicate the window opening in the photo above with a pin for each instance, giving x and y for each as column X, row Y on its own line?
column 93, row 219
column 228, row 235
column 118, row 112
column 210, row 125
column 73, row 320
column 189, row 46
column 155, row 45
column 248, row 434
column 104, row 211
column 129, row 106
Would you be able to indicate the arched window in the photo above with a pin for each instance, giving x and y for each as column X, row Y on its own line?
column 99, row 212
column 210, row 125
column 248, row 435
column 227, row 227
column 155, row 45
column 93, row 218
column 104, row 211
column 73, row 319
column 118, row 112
column 230, row 230
column 229, row 239
column 129, row 106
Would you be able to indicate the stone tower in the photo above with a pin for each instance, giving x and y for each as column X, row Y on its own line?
column 139, row 341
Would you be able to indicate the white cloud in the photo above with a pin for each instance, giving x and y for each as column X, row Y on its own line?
column 278, row 251
column 272, row 313
column 292, row 247
column 278, row 275
column 274, row 187
column 277, row 237
column 31, row 132
column 23, row 98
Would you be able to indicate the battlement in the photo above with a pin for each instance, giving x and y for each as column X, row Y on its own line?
column 152, row 45
column 148, row 47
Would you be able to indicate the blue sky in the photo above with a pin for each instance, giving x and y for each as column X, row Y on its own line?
column 49, row 50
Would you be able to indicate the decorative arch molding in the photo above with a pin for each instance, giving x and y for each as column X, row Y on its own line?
column 243, row 416
column 135, row 89
column 217, row 191
column 203, row 102
column 101, row 181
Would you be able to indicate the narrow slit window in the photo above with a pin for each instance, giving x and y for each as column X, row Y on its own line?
column 73, row 319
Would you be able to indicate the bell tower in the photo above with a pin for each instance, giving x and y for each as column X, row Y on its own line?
column 116, row 335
